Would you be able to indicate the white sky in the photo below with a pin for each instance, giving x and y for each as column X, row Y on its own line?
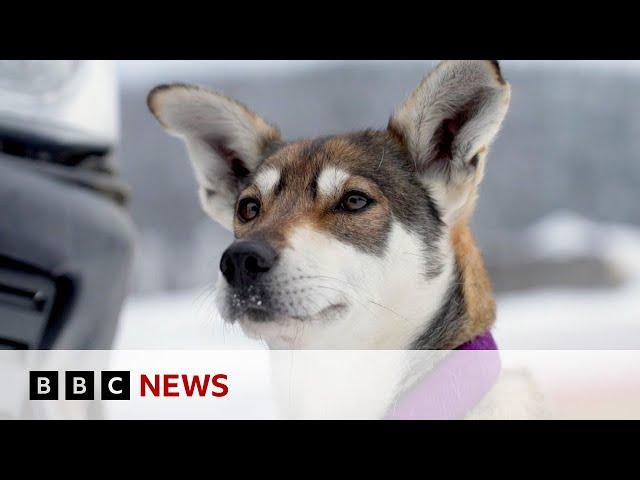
column 143, row 70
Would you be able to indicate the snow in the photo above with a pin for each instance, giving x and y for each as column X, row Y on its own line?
column 570, row 319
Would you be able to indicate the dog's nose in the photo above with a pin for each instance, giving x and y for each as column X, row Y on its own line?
column 245, row 261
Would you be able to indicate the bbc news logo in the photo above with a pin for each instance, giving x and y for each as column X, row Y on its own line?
column 116, row 385
column 79, row 385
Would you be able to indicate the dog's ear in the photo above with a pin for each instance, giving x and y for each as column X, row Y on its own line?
column 225, row 141
column 447, row 125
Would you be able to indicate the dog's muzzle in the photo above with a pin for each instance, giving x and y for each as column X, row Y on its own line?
column 245, row 262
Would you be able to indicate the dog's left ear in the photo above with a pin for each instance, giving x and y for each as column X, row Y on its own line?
column 447, row 124
column 225, row 141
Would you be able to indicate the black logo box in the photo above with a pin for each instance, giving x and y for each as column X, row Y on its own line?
column 79, row 385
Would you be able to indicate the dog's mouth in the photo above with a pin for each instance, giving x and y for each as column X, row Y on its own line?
column 262, row 314
column 326, row 313
column 277, row 304
column 284, row 331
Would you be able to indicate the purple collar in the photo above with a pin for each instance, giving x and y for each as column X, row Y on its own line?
column 483, row 342
column 455, row 386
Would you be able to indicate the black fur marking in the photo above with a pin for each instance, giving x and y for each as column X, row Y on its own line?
column 313, row 185
column 496, row 66
column 313, row 148
column 445, row 327
column 282, row 183
column 271, row 148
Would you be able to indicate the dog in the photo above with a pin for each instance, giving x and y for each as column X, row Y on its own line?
column 353, row 241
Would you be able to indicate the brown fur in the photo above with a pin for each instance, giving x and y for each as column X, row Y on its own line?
column 477, row 289
column 295, row 204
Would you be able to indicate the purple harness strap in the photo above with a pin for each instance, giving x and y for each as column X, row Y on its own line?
column 455, row 386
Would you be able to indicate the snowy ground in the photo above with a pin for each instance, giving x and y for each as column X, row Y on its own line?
column 532, row 319
column 577, row 318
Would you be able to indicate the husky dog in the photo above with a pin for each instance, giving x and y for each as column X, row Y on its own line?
column 359, row 240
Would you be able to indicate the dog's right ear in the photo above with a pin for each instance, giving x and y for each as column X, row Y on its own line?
column 225, row 141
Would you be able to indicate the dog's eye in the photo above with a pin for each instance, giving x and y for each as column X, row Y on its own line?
column 354, row 201
column 248, row 209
